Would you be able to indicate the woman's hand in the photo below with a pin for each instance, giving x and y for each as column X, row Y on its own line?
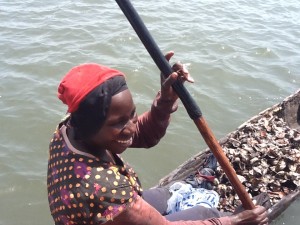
column 256, row 216
column 180, row 73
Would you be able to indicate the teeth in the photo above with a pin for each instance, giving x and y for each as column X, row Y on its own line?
column 124, row 142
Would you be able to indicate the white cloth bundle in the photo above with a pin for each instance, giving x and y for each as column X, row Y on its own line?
column 184, row 196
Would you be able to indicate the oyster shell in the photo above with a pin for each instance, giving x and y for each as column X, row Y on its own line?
column 266, row 156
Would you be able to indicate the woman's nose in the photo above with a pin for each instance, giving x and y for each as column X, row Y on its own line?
column 130, row 126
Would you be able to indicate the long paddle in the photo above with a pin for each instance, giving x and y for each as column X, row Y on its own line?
column 189, row 103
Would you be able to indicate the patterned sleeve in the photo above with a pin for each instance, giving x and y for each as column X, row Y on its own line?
column 105, row 192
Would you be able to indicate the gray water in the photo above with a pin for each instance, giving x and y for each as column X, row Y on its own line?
column 244, row 56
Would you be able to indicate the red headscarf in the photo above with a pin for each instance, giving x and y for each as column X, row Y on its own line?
column 81, row 80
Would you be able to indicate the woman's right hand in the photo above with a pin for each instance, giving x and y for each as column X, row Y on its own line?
column 256, row 216
column 180, row 73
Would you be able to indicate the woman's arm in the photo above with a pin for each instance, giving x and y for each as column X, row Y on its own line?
column 152, row 125
column 141, row 213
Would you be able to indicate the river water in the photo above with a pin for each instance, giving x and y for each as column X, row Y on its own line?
column 244, row 56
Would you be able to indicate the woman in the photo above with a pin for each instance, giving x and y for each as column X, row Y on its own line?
column 88, row 182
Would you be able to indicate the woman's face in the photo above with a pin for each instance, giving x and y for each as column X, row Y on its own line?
column 117, row 131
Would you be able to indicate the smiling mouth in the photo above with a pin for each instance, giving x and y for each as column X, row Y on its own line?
column 125, row 142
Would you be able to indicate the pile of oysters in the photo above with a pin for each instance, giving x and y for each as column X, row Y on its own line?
column 265, row 154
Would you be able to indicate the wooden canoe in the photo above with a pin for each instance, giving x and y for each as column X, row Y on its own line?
column 265, row 146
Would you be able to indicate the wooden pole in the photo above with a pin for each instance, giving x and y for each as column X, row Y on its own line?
column 218, row 152
column 192, row 108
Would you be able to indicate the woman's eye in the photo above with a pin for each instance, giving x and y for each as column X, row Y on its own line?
column 120, row 123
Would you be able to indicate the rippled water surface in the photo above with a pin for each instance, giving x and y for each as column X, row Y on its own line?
column 244, row 56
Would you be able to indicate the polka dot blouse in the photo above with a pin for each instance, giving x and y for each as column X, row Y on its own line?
column 83, row 189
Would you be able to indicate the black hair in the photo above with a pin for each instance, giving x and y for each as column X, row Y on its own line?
column 92, row 111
